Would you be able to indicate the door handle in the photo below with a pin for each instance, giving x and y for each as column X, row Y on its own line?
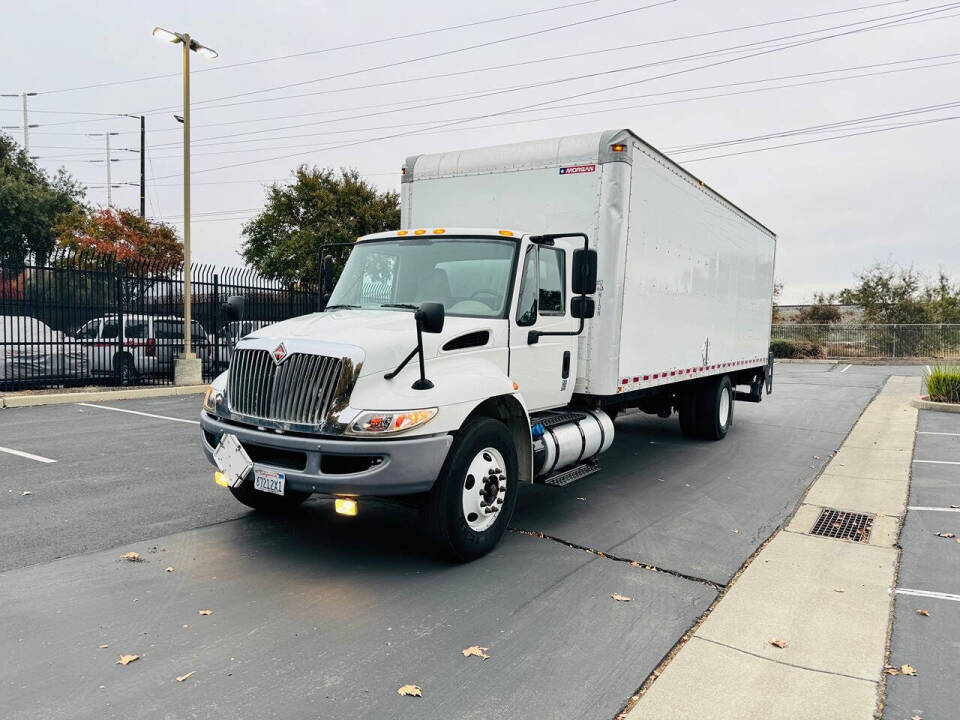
column 565, row 369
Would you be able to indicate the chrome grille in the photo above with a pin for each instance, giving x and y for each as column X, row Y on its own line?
column 298, row 390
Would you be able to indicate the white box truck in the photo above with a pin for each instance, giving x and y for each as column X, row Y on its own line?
column 534, row 291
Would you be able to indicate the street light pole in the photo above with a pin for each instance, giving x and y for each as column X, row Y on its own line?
column 187, row 369
column 187, row 354
column 143, row 152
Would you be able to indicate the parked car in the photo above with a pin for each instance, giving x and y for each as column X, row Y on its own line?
column 32, row 350
column 148, row 346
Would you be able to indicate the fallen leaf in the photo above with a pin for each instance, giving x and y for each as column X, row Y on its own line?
column 945, row 535
column 206, row 612
column 127, row 659
column 480, row 652
column 621, row 598
column 26, row 492
column 169, row 569
column 103, row 646
column 410, row 690
column 634, row 563
column 778, row 643
column 908, row 670
column 132, row 557
column 891, row 671
column 181, row 678
column 839, row 590
column 925, row 613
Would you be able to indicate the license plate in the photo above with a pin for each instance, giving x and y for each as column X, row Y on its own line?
column 232, row 459
column 269, row 481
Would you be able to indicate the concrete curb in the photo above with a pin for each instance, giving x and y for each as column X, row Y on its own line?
column 19, row 401
column 922, row 403
column 861, row 361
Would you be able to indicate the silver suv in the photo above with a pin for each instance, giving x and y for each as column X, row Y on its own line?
column 147, row 348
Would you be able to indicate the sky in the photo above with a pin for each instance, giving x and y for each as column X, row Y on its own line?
column 886, row 192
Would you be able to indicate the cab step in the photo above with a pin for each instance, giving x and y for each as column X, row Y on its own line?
column 570, row 475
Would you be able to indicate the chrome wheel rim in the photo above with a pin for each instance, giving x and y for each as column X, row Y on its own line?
column 484, row 489
column 724, row 406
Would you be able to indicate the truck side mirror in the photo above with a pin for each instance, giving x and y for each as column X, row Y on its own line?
column 234, row 308
column 328, row 273
column 584, row 278
column 430, row 315
column 582, row 307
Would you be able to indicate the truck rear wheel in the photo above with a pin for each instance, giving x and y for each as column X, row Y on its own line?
column 714, row 413
column 268, row 502
column 470, row 505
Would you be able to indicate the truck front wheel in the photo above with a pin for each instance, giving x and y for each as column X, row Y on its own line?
column 471, row 503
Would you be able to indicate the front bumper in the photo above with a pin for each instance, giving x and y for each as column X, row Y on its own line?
column 341, row 467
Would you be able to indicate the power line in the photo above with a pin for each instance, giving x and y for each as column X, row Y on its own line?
column 365, row 43
column 891, row 20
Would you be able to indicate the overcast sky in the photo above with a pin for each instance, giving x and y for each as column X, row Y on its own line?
column 837, row 206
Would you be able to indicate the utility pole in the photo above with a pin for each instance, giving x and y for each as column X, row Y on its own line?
column 187, row 354
column 143, row 182
column 26, row 123
column 109, row 184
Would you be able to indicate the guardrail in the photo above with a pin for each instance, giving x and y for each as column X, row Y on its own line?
column 842, row 340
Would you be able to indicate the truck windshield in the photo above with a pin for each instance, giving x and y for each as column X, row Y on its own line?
column 470, row 276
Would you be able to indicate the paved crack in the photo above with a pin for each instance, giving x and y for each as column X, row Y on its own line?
column 629, row 561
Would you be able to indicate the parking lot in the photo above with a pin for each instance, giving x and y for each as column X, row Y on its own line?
column 327, row 616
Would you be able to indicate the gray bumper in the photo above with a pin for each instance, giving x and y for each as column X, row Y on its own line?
column 325, row 465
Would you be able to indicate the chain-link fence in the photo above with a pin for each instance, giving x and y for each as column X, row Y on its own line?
column 876, row 341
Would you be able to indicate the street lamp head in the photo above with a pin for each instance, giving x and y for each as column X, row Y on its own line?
column 208, row 53
column 166, row 35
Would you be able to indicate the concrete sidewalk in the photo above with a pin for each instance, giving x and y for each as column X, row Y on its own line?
column 31, row 399
column 826, row 601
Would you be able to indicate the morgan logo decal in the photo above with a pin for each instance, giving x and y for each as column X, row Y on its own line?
column 279, row 353
column 578, row 169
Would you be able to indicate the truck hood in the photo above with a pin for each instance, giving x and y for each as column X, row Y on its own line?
column 385, row 336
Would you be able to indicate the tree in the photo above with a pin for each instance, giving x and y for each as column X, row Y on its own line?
column 777, row 316
column 122, row 235
column 31, row 204
column 823, row 311
column 316, row 207
column 889, row 294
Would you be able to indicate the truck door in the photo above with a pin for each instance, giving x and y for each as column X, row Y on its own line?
column 546, row 370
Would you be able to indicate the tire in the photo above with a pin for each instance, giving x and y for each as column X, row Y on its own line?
column 714, row 413
column 454, row 529
column 687, row 410
column 126, row 370
column 268, row 502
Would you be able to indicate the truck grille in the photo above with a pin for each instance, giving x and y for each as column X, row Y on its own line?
column 298, row 390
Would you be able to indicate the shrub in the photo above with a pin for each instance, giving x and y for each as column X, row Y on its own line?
column 943, row 384
column 796, row 349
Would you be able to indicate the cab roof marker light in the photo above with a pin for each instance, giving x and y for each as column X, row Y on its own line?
column 439, row 231
column 420, row 232
column 618, row 147
column 506, row 233
column 403, row 232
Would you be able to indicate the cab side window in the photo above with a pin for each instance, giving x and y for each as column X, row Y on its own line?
column 551, row 281
column 527, row 300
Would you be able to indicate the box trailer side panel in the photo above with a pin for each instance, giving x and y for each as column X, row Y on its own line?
column 698, row 282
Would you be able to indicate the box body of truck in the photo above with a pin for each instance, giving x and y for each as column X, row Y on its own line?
column 685, row 278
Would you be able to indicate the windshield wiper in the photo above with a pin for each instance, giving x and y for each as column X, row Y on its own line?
column 341, row 307
column 405, row 306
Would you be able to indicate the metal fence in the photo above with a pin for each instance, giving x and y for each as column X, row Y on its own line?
column 82, row 319
column 877, row 341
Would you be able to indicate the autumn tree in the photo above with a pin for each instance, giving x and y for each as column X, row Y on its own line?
column 31, row 205
column 122, row 235
column 317, row 206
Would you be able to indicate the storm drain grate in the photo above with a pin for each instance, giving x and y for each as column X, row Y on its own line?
column 843, row 525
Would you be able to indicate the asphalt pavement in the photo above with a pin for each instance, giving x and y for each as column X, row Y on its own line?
column 324, row 616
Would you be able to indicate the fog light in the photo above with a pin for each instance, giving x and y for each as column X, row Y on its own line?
column 222, row 479
column 345, row 506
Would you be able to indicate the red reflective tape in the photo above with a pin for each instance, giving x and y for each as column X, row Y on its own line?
column 672, row 373
column 647, row 377
column 656, row 375
column 636, row 379
column 625, row 381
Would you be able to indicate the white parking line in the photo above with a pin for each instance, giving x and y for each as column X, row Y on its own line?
column 29, row 456
column 933, row 509
column 939, row 462
column 137, row 412
column 931, row 432
column 928, row 594
column 847, row 368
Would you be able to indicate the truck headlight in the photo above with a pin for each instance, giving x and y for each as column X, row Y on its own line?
column 211, row 399
column 383, row 422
